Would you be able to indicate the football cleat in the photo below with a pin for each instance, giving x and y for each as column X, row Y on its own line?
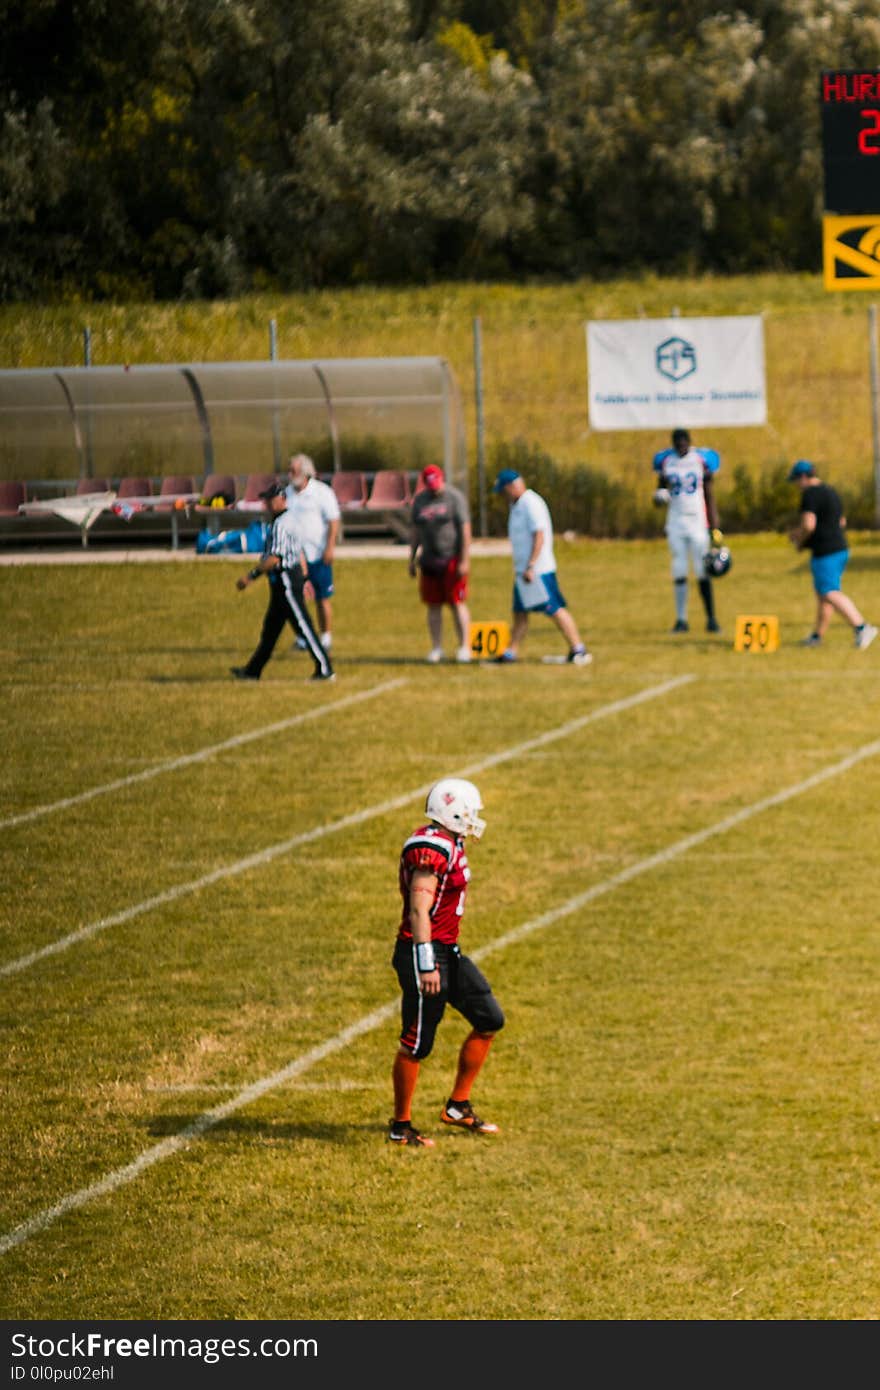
column 461, row 1114
column 402, row 1132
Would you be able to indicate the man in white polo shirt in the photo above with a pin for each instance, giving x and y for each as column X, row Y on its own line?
column 535, row 589
column 314, row 511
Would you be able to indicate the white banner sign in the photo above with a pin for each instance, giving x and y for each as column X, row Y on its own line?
column 648, row 373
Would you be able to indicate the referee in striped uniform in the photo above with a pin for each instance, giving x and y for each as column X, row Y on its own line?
column 284, row 561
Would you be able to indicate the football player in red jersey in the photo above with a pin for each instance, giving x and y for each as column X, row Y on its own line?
column 432, row 971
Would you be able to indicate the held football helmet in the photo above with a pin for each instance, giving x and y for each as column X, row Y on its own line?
column 454, row 803
column 717, row 562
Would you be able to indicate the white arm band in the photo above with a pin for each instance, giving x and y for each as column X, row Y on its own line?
column 425, row 957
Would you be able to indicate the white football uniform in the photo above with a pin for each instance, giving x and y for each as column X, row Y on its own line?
column 687, row 523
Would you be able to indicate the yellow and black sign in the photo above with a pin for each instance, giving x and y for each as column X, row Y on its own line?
column 851, row 252
column 756, row 632
column 488, row 640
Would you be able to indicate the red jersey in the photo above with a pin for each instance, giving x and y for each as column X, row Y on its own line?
column 439, row 852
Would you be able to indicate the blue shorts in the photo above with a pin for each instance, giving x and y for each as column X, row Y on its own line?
column 827, row 571
column 554, row 601
column 321, row 576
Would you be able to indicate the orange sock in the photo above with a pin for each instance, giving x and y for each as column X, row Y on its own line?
column 405, row 1074
column 470, row 1060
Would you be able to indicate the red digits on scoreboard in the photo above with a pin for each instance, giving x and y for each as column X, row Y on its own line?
column 869, row 135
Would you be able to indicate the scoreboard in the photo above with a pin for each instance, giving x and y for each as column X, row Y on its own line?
column 850, row 103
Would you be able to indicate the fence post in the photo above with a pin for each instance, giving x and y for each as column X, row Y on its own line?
column 875, row 419
column 89, row 452
column 276, row 434
column 478, row 392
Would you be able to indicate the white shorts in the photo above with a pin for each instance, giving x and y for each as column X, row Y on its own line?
column 688, row 545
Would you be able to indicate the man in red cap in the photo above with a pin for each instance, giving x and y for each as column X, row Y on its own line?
column 440, row 552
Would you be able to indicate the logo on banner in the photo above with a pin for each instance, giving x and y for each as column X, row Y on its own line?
column 851, row 247
column 676, row 359
column 645, row 374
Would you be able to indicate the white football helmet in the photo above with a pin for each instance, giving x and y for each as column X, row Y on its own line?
column 454, row 803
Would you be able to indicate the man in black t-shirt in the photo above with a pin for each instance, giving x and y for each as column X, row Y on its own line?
column 821, row 531
column 440, row 549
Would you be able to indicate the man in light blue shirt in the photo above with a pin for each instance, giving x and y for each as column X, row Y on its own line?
column 535, row 589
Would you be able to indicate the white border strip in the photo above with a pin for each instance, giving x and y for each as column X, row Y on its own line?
column 204, row 754
column 264, row 856
column 210, row 1118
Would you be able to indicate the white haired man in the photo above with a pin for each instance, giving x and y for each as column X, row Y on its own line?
column 314, row 511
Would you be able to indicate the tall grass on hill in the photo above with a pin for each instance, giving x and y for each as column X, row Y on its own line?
column 534, row 372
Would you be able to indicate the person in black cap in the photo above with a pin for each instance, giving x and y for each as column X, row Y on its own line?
column 284, row 561
column 821, row 531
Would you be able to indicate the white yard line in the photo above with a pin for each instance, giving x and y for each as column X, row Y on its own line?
column 264, row 856
column 203, row 754
column 210, row 1118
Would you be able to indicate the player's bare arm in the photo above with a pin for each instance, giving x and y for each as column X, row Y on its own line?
column 804, row 529
column 268, row 562
column 537, row 547
column 464, row 561
column 422, row 891
column 711, row 504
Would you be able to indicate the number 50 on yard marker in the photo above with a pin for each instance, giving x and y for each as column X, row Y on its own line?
column 756, row 632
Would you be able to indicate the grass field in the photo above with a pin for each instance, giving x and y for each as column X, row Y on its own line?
column 675, row 899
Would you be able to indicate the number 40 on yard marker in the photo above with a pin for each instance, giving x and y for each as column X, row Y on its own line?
column 488, row 640
column 756, row 632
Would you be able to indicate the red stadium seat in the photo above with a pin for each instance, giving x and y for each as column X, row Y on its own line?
column 176, row 484
column 217, row 485
column 255, row 483
column 135, row 487
column 390, row 490
column 350, row 488
column 11, row 497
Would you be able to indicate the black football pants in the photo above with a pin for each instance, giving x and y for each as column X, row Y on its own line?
column 287, row 605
